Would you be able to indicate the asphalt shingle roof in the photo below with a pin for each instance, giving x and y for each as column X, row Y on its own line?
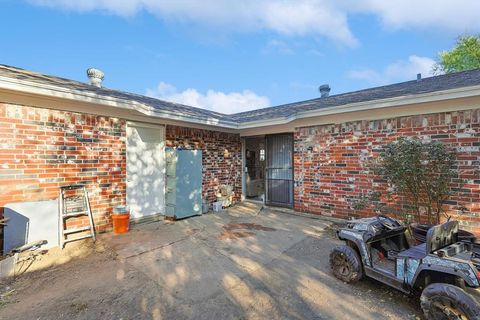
column 22, row 74
column 425, row 85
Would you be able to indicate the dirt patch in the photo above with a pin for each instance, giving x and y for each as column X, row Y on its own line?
column 241, row 230
column 191, row 232
column 247, row 226
column 228, row 235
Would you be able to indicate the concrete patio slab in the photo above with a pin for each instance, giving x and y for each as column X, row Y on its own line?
column 237, row 264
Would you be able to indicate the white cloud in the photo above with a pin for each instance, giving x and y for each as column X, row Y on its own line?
column 288, row 18
column 118, row 7
column 323, row 18
column 277, row 46
column 409, row 68
column 218, row 101
column 398, row 71
column 457, row 16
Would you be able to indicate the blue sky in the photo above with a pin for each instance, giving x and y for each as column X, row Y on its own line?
column 233, row 55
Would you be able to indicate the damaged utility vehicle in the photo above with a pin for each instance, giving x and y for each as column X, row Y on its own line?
column 444, row 270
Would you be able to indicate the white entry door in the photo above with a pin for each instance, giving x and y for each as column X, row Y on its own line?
column 145, row 169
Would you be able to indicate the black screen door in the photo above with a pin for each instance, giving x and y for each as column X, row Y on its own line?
column 279, row 177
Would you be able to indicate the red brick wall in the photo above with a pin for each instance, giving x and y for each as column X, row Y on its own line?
column 42, row 149
column 222, row 162
column 331, row 168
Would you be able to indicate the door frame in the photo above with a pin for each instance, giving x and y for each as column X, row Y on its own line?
column 244, row 167
column 244, row 185
column 163, row 138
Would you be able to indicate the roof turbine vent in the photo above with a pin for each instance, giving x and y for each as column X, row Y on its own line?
column 96, row 77
column 324, row 90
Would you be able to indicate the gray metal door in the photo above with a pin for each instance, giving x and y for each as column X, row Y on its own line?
column 279, row 177
column 184, row 183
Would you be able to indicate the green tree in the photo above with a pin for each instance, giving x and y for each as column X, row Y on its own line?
column 464, row 56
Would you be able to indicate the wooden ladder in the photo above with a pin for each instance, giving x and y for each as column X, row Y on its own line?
column 74, row 204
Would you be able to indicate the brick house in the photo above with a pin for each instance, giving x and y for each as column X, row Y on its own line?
column 310, row 156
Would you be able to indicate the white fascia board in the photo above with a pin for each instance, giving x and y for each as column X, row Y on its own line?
column 436, row 96
column 33, row 88
column 152, row 112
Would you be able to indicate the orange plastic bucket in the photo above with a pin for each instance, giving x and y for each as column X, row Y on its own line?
column 120, row 223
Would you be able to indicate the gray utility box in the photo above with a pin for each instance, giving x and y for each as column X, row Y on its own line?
column 183, row 194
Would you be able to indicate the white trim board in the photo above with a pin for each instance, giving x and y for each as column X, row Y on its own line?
column 34, row 89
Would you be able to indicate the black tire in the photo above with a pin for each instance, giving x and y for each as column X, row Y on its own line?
column 445, row 301
column 346, row 264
